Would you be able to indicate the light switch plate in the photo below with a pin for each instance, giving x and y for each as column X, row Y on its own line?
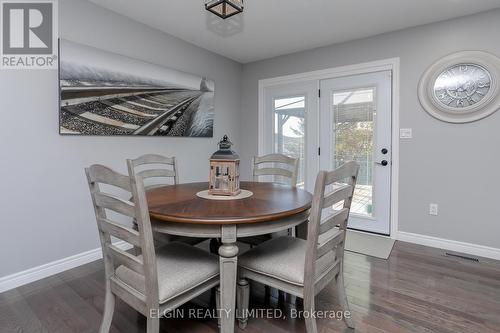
column 433, row 209
column 405, row 133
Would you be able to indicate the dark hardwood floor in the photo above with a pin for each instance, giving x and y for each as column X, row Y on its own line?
column 418, row 289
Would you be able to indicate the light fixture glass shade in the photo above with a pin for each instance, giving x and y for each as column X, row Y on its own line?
column 224, row 8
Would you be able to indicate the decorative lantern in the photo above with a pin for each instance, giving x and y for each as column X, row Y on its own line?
column 224, row 170
column 224, row 8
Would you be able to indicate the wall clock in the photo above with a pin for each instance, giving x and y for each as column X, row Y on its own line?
column 461, row 87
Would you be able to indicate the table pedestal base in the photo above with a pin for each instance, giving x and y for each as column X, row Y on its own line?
column 228, row 252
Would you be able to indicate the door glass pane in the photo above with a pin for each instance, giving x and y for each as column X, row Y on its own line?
column 353, row 114
column 289, row 127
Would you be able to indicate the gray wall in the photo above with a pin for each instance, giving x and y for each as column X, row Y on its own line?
column 45, row 209
column 455, row 166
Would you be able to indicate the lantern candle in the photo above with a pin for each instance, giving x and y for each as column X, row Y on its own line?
column 224, row 170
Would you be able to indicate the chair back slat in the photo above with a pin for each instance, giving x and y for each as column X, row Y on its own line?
column 337, row 218
column 124, row 258
column 326, row 236
column 273, row 172
column 275, row 158
column 153, row 159
column 155, row 166
column 328, row 241
column 340, row 193
column 343, row 172
column 276, row 165
column 104, row 175
column 120, row 231
column 156, row 173
column 108, row 201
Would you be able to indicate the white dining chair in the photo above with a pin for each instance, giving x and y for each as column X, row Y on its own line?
column 279, row 169
column 157, row 171
column 304, row 267
column 158, row 280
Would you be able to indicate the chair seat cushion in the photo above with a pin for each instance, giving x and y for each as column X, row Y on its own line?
column 180, row 267
column 283, row 258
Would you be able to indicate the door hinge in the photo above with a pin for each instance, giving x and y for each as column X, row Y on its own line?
column 319, row 151
column 319, row 93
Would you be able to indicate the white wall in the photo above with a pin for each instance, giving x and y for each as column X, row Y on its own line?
column 45, row 208
column 456, row 166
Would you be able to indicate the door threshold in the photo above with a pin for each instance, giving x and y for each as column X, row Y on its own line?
column 370, row 232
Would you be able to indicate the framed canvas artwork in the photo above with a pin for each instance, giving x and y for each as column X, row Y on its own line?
column 103, row 93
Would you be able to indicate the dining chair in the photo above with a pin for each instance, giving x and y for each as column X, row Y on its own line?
column 158, row 280
column 283, row 169
column 157, row 171
column 280, row 169
column 304, row 267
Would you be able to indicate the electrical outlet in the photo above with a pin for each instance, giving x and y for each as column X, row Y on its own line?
column 405, row 133
column 433, row 209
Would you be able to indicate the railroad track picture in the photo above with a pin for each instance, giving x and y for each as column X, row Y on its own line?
column 116, row 95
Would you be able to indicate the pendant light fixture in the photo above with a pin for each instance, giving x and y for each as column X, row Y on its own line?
column 224, row 8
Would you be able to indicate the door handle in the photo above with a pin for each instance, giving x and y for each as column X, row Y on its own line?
column 382, row 163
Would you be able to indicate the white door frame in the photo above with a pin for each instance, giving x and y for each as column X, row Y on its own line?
column 391, row 64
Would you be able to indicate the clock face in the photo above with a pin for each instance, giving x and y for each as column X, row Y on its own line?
column 462, row 85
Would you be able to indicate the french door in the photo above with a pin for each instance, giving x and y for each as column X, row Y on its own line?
column 328, row 122
column 355, row 124
column 288, row 122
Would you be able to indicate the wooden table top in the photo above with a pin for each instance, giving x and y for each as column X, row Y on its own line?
column 179, row 203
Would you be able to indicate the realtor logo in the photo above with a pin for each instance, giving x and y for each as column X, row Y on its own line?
column 29, row 35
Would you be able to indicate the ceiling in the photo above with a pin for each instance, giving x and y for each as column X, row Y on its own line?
column 269, row 28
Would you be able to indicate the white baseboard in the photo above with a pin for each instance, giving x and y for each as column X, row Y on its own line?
column 37, row 273
column 450, row 245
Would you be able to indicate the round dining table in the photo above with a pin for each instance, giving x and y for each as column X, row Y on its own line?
column 178, row 210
